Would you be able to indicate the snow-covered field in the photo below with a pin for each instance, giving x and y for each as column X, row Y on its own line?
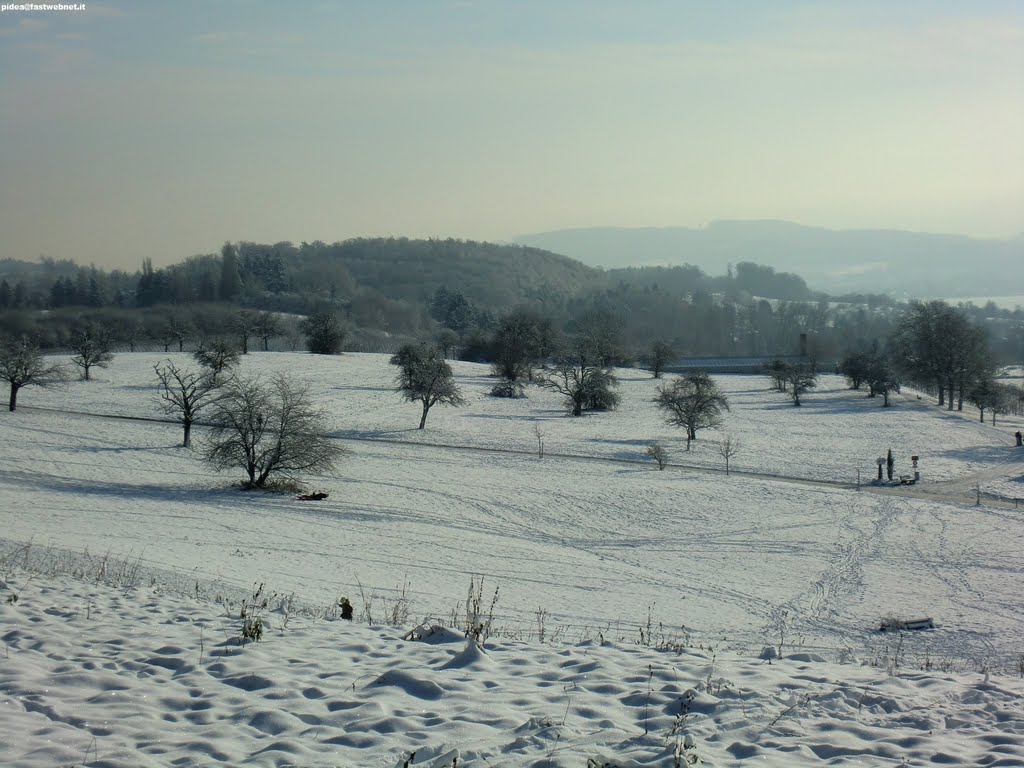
column 661, row 566
column 131, row 678
column 831, row 436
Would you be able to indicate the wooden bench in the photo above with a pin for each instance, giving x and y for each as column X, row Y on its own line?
column 887, row 624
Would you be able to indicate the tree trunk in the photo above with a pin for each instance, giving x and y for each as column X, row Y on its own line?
column 885, row 402
column 942, row 394
column 423, row 418
column 13, row 402
column 85, row 368
column 949, row 400
column 981, row 418
column 187, row 441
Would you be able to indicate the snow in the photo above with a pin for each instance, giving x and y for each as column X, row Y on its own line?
column 130, row 559
column 834, row 433
column 101, row 676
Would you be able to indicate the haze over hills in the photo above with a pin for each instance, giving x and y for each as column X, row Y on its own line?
column 895, row 262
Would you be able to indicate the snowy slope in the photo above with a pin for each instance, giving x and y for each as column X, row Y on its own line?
column 134, row 677
column 587, row 548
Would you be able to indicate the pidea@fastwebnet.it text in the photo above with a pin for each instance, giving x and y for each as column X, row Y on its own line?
column 41, row 7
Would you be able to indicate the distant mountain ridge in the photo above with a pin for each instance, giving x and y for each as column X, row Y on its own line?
column 896, row 262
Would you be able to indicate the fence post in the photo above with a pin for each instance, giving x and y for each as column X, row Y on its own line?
column 858, row 479
column 977, row 491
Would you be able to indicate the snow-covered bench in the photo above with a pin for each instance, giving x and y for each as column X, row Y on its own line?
column 895, row 623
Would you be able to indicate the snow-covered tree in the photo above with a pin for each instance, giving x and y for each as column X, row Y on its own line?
column 692, row 402
column 425, row 377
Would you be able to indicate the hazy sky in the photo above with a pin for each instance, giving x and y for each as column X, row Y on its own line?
column 152, row 129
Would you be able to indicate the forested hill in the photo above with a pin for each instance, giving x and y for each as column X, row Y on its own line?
column 391, row 290
column 498, row 276
column 375, row 274
column 387, row 283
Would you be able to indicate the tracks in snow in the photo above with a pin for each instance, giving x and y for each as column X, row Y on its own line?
column 959, row 491
column 842, row 578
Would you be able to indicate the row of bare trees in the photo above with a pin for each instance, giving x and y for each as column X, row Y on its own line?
column 22, row 363
column 937, row 348
column 269, row 429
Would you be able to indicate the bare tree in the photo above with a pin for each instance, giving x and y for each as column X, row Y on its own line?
column 425, row 377
column 728, row 447
column 990, row 395
column 800, row 378
column 269, row 430
column 661, row 354
column 777, row 371
column 522, row 342
column 582, row 377
column 217, row 356
column 600, row 333
column 243, row 326
column 692, row 402
column 23, row 365
column 127, row 328
column 447, row 341
column 881, row 376
column 539, row 434
column 586, row 387
column 165, row 335
column 91, row 345
column 854, row 366
column 658, row 453
column 266, row 326
column 184, row 393
column 179, row 329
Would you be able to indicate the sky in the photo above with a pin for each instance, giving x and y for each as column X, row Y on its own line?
column 160, row 130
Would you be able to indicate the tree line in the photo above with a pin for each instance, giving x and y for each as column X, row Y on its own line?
column 273, row 431
column 395, row 288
